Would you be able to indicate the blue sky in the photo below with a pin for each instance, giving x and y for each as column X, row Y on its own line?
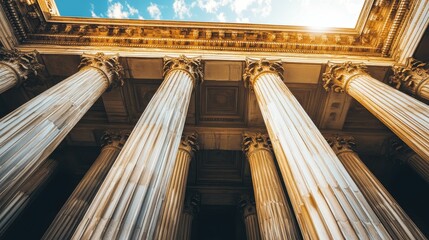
column 316, row 13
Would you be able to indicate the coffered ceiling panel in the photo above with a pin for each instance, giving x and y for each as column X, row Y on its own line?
column 222, row 102
column 302, row 73
column 138, row 95
column 223, row 71
column 142, row 68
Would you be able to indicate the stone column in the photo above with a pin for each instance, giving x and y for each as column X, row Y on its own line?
column 16, row 66
column 408, row 156
column 30, row 134
column 276, row 220
column 326, row 201
column 25, row 193
column 250, row 219
column 171, row 211
column 412, row 78
column 72, row 212
column 190, row 209
column 395, row 220
column 407, row 117
column 129, row 201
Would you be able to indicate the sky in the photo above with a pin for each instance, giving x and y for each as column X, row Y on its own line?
column 312, row 13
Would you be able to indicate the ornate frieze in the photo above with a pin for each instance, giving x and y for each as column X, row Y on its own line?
column 411, row 76
column 22, row 63
column 109, row 65
column 337, row 76
column 192, row 66
column 256, row 67
column 372, row 36
column 256, row 141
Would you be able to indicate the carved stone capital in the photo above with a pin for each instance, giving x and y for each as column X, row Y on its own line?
column 109, row 65
column 256, row 67
column 411, row 76
column 192, row 66
column 192, row 203
column 255, row 141
column 400, row 150
column 189, row 143
column 338, row 76
column 341, row 144
column 22, row 63
column 116, row 139
column 247, row 205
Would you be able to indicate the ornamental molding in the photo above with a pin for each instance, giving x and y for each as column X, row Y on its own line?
column 189, row 143
column 256, row 67
column 376, row 32
column 22, row 63
column 193, row 66
column 338, row 75
column 341, row 144
column 253, row 142
column 114, row 138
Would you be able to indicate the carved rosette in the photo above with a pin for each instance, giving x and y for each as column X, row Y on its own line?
column 338, row 76
column 22, row 63
column 189, row 143
column 192, row 66
column 411, row 76
column 256, row 67
column 253, row 142
column 341, row 144
column 114, row 138
column 109, row 65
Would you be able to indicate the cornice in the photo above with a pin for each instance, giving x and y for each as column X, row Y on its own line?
column 35, row 23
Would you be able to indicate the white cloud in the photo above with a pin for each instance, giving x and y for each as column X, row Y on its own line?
column 238, row 6
column 140, row 17
column 93, row 14
column 209, row 6
column 154, row 11
column 181, row 9
column 221, row 17
column 116, row 10
column 132, row 10
column 263, row 9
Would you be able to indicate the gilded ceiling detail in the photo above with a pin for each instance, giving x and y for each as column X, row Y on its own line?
column 34, row 23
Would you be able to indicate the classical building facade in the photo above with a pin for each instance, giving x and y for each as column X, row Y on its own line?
column 138, row 129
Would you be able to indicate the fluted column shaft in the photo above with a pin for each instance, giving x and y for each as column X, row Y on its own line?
column 407, row 117
column 173, row 204
column 276, row 220
column 408, row 156
column 24, row 194
column 326, row 201
column 393, row 217
column 412, row 78
column 15, row 66
column 72, row 212
column 128, row 202
column 30, row 134
column 251, row 221
column 190, row 209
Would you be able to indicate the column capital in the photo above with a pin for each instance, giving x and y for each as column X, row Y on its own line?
column 256, row 67
column 248, row 205
column 22, row 63
column 109, row 65
column 341, row 144
column 253, row 142
column 192, row 203
column 192, row 66
column 189, row 143
column 411, row 76
column 115, row 139
column 337, row 76
column 400, row 149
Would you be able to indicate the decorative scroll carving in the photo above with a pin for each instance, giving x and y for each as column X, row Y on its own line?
column 256, row 141
column 26, row 62
column 337, row 76
column 114, row 138
column 256, row 67
column 189, row 143
column 411, row 76
column 109, row 65
column 193, row 66
column 341, row 143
